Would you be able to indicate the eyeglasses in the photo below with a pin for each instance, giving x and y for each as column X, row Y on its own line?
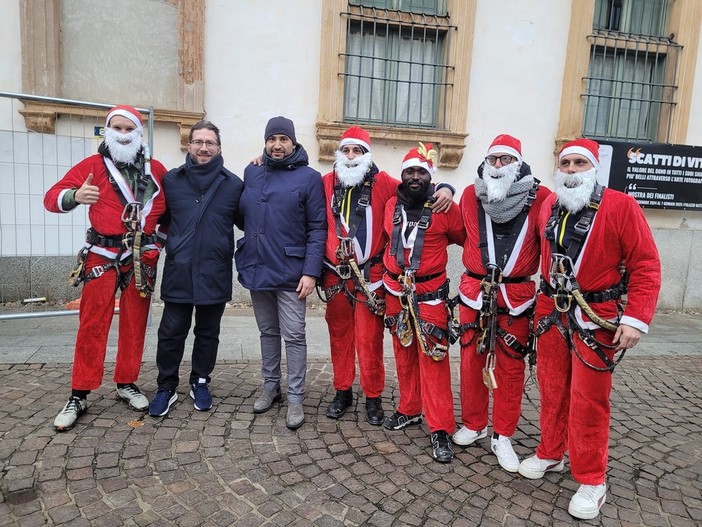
column 505, row 160
column 209, row 144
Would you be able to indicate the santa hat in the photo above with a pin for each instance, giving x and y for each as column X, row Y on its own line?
column 355, row 136
column 506, row 144
column 424, row 156
column 585, row 147
column 125, row 111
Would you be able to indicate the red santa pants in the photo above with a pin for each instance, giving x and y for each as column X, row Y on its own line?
column 96, row 310
column 575, row 407
column 353, row 329
column 509, row 374
column 425, row 384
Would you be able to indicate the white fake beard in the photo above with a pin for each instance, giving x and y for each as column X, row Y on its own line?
column 574, row 190
column 123, row 147
column 499, row 180
column 352, row 171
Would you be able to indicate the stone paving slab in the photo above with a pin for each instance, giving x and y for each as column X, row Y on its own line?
column 51, row 339
column 231, row 467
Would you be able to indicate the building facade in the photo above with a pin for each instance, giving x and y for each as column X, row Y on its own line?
column 452, row 72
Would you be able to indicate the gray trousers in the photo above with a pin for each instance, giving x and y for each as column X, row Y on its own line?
column 282, row 314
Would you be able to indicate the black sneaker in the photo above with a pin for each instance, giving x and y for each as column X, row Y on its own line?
column 442, row 451
column 342, row 400
column 398, row 421
column 162, row 401
column 374, row 410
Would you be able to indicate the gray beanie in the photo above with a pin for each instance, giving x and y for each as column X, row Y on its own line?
column 280, row 125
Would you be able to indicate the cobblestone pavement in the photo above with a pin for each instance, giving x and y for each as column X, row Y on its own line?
column 229, row 467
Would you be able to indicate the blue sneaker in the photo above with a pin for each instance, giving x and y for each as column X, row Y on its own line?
column 162, row 402
column 200, row 393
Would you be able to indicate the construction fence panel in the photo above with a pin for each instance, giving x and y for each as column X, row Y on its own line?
column 38, row 248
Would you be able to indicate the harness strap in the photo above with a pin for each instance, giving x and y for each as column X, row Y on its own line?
column 613, row 293
column 345, row 246
column 517, row 224
column 505, row 279
column 397, row 248
column 116, row 241
column 440, row 294
column 580, row 229
column 586, row 335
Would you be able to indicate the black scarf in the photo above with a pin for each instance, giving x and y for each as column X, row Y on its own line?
column 297, row 158
column 413, row 204
column 201, row 177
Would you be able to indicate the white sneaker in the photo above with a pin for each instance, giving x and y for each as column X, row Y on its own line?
column 136, row 400
column 587, row 502
column 66, row 419
column 466, row 436
column 502, row 448
column 535, row 468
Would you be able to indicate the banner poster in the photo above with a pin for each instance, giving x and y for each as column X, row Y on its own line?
column 659, row 176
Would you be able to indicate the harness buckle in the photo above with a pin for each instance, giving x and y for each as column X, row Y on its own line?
column 344, row 271
column 562, row 300
column 345, row 250
column 131, row 215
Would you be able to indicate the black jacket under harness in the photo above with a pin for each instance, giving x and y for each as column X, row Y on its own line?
column 566, row 294
column 408, row 324
column 486, row 325
column 348, row 268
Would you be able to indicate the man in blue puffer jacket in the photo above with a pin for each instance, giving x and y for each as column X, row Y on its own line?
column 279, row 259
column 203, row 201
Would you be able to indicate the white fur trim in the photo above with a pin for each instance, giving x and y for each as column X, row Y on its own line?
column 353, row 141
column 124, row 113
column 506, row 150
column 416, row 162
column 582, row 151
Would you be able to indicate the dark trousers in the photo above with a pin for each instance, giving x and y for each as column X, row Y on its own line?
column 172, row 332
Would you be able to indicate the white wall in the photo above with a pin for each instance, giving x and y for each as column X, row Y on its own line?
column 261, row 60
column 516, row 78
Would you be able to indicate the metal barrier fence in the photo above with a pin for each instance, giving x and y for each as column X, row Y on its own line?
column 40, row 139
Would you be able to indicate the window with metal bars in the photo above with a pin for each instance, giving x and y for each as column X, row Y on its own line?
column 631, row 82
column 395, row 63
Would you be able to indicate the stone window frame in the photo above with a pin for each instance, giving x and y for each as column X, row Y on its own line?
column 40, row 23
column 684, row 25
column 330, row 125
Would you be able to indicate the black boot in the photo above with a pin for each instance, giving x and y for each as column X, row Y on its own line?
column 342, row 400
column 374, row 410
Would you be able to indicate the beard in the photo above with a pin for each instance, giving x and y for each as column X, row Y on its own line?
column 499, row 180
column 418, row 194
column 123, row 148
column 574, row 190
column 352, row 171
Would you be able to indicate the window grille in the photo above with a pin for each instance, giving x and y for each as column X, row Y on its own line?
column 631, row 82
column 395, row 65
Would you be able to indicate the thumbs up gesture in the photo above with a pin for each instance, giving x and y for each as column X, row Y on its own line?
column 88, row 193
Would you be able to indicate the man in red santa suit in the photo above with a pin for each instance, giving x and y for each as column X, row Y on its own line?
column 356, row 192
column 497, row 293
column 122, row 187
column 418, row 289
column 596, row 246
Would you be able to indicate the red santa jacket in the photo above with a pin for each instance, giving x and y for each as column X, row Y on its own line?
column 105, row 215
column 523, row 261
column 618, row 233
column 443, row 230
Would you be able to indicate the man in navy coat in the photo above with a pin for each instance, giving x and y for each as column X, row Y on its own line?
column 203, row 202
column 279, row 259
